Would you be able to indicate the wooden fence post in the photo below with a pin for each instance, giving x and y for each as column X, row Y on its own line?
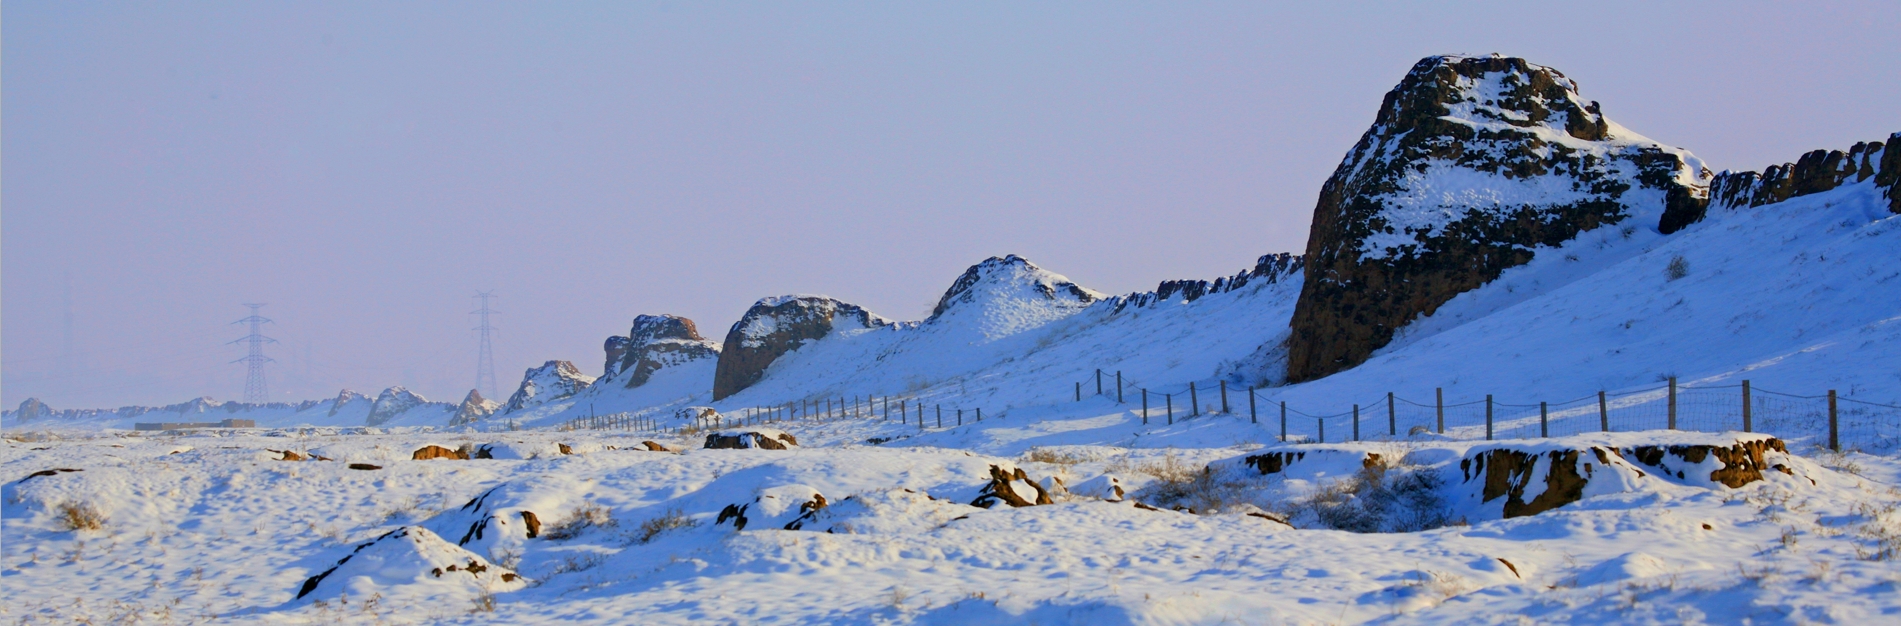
column 960, row 417
column 1392, row 418
column 1079, row 391
column 1748, row 426
column 1673, row 403
column 1224, row 397
column 1356, row 422
column 1603, row 413
column 1098, row 381
column 940, row 416
column 1194, row 401
column 1488, row 417
column 1118, row 386
column 1323, row 428
column 1834, row 440
column 1145, row 407
column 1283, row 421
column 980, row 414
column 1254, row 417
column 1169, row 398
column 1544, row 421
column 1439, row 399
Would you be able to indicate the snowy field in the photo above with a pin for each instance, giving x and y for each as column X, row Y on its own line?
column 216, row 526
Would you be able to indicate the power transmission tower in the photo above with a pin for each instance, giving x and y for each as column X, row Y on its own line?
column 485, row 360
column 255, row 390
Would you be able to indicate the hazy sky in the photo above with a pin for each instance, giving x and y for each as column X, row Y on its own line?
column 365, row 168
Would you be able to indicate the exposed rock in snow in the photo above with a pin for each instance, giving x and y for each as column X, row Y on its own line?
column 1004, row 295
column 766, row 438
column 654, row 342
column 473, row 409
column 1470, row 163
column 787, row 507
column 1010, row 485
column 502, row 518
column 410, row 556
column 438, row 452
column 1815, row 172
column 552, row 381
column 1270, row 268
column 775, row 326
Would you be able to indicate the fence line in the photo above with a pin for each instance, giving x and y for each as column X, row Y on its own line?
column 1710, row 408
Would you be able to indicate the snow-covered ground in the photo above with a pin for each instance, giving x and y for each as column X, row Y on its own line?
column 215, row 527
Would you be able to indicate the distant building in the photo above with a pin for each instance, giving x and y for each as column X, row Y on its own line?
column 185, row 425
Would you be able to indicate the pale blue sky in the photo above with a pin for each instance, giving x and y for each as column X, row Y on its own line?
column 366, row 167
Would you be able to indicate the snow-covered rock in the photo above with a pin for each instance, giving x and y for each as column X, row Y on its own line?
column 787, row 507
column 751, row 438
column 777, row 325
column 552, row 381
column 411, row 561
column 1005, row 295
column 654, row 342
column 394, row 402
column 1471, row 162
column 1816, row 172
column 474, row 408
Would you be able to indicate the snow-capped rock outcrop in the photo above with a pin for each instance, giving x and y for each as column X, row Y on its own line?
column 392, row 403
column 552, row 381
column 1815, row 172
column 474, row 408
column 1004, row 295
column 31, row 409
column 1269, row 269
column 775, row 326
column 1471, row 163
column 654, row 342
column 346, row 400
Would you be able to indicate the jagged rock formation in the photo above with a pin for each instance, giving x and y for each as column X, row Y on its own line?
column 473, row 409
column 775, row 326
column 344, row 399
column 1008, row 294
column 31, row 409
column 1470, row 164
column 1269, row 269
column 654, row 342
column 552, row 381
column 1011, row 486
column 761, row 438
column 392, row 402
column 1815, row 172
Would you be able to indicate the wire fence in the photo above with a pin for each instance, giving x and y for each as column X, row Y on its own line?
column 1827, row 418
column 692, row 420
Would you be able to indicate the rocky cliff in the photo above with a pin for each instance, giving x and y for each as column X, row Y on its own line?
column 552, row 381
column 1470, row 164
column 1815, row 172
column 474, row 408
column 775, row 326
column 394, row 402
column 654, row 342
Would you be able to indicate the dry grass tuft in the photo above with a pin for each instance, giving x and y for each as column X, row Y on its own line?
column 673, row 519
column 583, row 517
column 77, row 516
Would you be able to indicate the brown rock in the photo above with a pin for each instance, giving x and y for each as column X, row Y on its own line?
column 654, row 342
column 288, row 455
column 438, row 452
column 565, row 449
column 1001, row 489
column 532, row 523
column 775, row 326
column 365, row 466
column 1507, row 472
column 1352, row 303
column 653, row 446
column 750, row 439
column 1273, row 462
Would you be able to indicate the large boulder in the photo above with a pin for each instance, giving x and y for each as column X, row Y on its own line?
column 1471, row 164
column 474, row 408
column 552, row 381
column 31, row 409
column 751, row 438
column 654, row 342
column 1815, row 172
column 775, row 326
column 1005, row 295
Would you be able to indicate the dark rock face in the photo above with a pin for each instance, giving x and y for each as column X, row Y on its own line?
column 554, row 380
column 1815, row 172
column 654, row 342
column 1470, row 163
column 775, row 326
column 473, row 409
